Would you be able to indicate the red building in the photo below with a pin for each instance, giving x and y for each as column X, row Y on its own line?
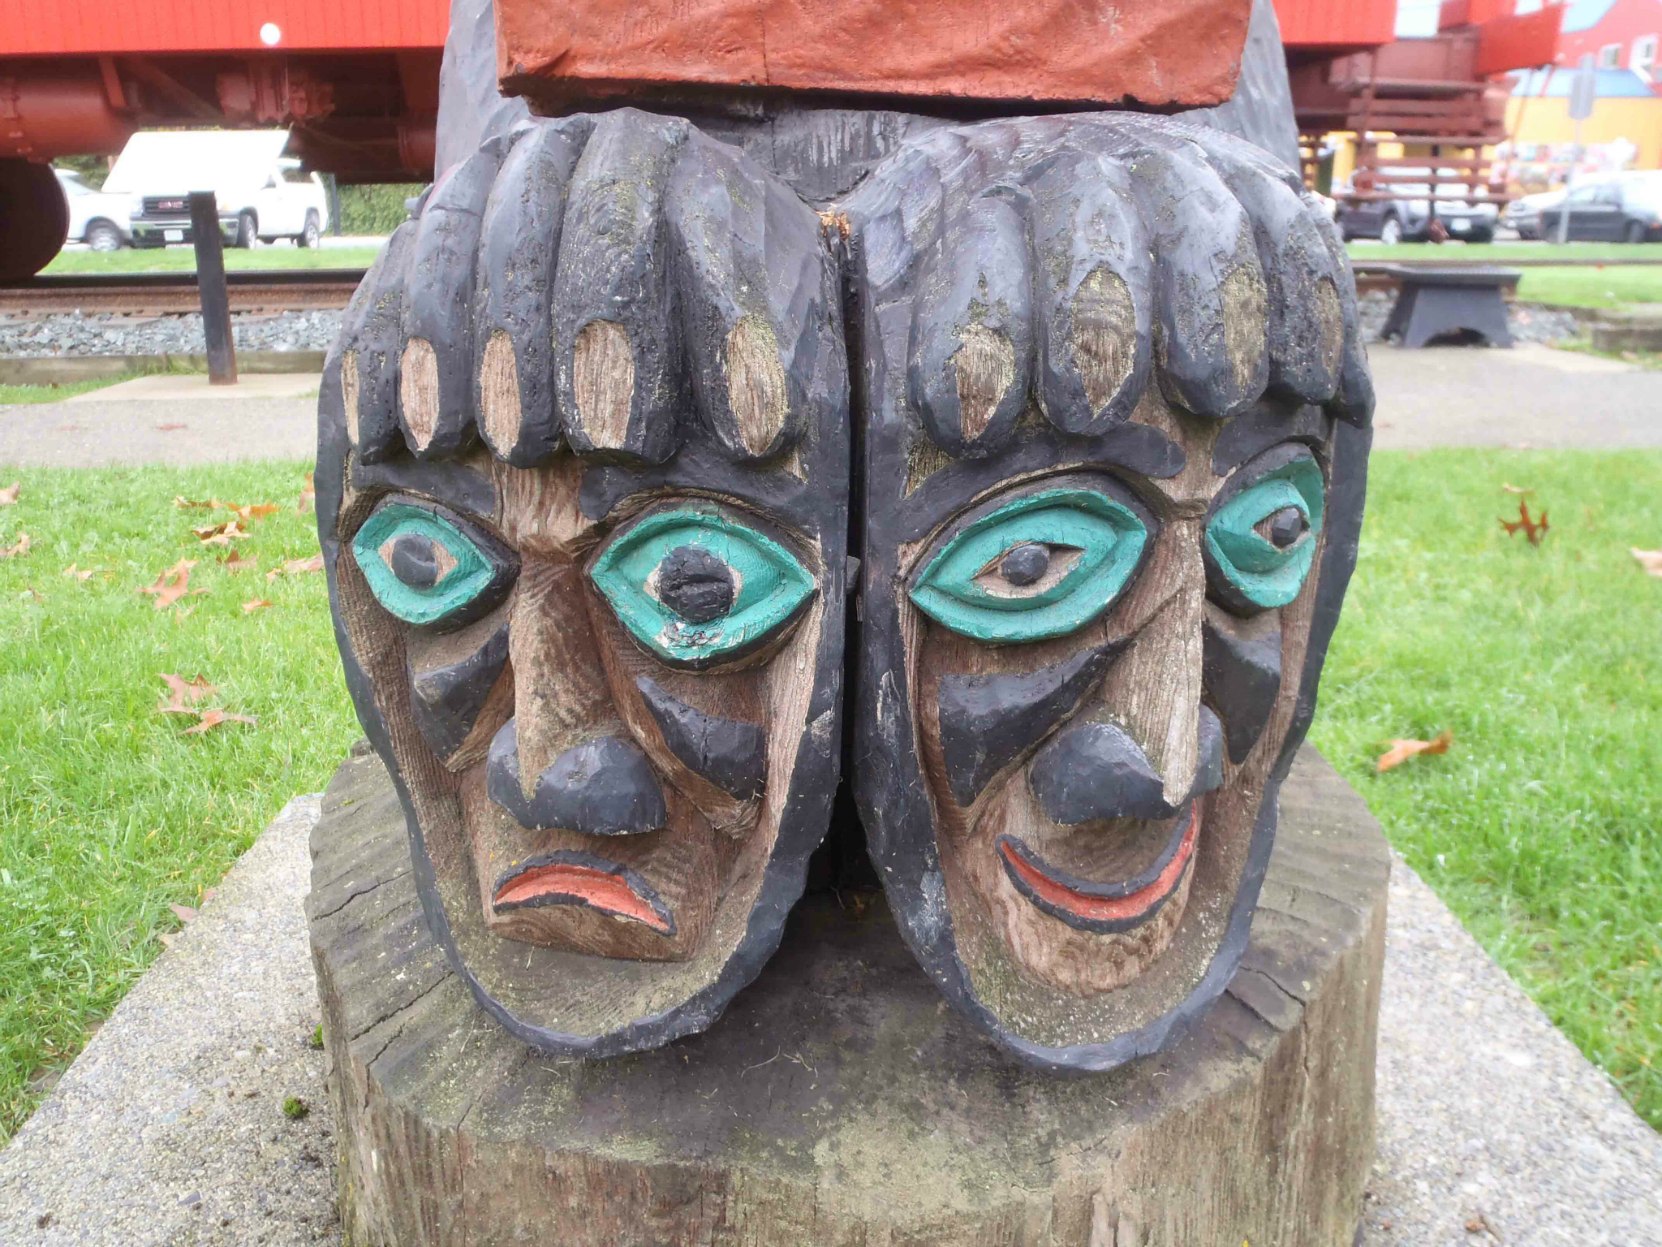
column 1617, row 34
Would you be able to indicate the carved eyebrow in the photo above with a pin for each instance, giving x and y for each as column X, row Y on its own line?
column 699, row 467
column 1267, row 424
column 1138, row 448
column 457, row 486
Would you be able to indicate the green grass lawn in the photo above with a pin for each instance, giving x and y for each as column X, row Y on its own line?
column 108, row 813
column 1562, row 287
column 1500, row 252
column 183, row 259
column 14, row 394
column 1591, row 287
column 1542, row 826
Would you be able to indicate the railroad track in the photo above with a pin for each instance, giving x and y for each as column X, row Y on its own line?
column 158, row 294
column 289, row 290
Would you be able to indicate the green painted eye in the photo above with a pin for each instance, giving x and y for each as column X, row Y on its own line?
column 431, row 568
column 1261, row 541
column 695, row 587
column 1041, row 566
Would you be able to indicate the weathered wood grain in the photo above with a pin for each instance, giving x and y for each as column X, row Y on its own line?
column 1017, row 50
column 838, row 1101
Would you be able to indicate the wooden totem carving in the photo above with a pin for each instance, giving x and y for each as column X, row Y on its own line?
column 586, row 495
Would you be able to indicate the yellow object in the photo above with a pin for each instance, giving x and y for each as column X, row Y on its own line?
column 1545, row 119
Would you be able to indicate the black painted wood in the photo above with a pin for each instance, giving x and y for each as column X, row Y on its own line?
column 210, row 284
column 1200, row 205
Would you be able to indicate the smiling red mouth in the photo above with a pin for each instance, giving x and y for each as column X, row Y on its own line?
column 571, row 878
column 1103, row 908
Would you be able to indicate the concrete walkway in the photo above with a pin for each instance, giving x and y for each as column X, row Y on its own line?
column 1527, row 397
column 176, row 420
column 169, row 1129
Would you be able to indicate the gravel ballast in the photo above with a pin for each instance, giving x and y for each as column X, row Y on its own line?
column 104, row 334
column 72, row 333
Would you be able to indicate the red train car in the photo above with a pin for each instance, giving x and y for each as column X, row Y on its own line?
column 356, row 80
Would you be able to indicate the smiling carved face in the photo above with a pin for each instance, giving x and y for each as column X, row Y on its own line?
column 1086, row 636
column 1115, row 454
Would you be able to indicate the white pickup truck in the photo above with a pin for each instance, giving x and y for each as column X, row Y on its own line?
column 261, row 194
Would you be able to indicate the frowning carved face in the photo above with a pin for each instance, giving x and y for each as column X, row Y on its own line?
column 1116, row 444
column 582, row 484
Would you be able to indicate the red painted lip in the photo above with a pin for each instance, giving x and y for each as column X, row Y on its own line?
column 1106, row 910
column 569, row 878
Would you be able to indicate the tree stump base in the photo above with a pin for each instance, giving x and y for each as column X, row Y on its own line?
column 839, row 1100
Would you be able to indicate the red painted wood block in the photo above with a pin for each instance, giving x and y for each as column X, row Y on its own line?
column 1158, row 52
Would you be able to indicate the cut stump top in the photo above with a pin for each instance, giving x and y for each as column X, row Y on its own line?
column 840, row 1100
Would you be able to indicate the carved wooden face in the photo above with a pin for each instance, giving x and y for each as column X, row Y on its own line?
column 1113, row 485
column 583, row 488
column 587, row 555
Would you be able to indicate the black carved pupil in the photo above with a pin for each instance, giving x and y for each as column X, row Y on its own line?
column 1286, row 526
column 695, row 584
column 1025, row 564
column 415, row 561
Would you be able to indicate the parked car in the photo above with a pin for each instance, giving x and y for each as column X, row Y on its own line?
column 1524, row 213
column 1623, row 208
column 261, row 194
column 96, row 218
column 1408, row 216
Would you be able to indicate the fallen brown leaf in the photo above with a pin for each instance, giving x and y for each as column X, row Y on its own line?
column 79, row 573
column 185, row 693
column 256, row 511
column 238, row 562
column 171, row 428
column 173, row 584
column 308, row 495
column 201, row 504
column 213, row 718
column 220, row 534
column 1533, row 528
column 1401, row 750
column 1650, row 560
column 8, row 495
column 184, row 913
column 255, row 604
column 1517, row 489
column 297, row 567
column 22, row 547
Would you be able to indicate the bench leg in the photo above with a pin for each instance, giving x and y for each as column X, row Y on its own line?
column 1401, row 310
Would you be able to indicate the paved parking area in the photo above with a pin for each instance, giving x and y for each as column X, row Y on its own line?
column 1528, row 397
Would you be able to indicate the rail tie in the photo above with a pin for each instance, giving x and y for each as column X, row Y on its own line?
column 160, row 294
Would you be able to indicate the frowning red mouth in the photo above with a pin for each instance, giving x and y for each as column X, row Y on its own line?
column 572, row 878
column 1103, row 908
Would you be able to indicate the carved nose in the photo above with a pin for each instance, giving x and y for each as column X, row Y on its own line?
column 1095, row 771
column 603, row 787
